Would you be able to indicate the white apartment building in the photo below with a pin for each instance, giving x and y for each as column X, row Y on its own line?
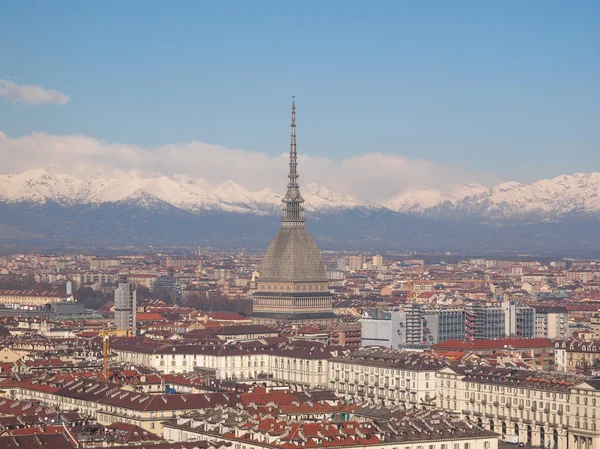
column 301, row 362
column 385, row 375
column 540, row 409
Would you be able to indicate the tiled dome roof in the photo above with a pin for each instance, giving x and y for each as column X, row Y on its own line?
column 292, row 256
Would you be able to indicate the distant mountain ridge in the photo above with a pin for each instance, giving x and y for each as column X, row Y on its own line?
column 562, row 213
column 545, row 200
column 190, row 195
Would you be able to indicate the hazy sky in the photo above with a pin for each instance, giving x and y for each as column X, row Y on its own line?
column 482, row 91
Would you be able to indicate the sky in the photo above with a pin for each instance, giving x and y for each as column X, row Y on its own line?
column 390, row 95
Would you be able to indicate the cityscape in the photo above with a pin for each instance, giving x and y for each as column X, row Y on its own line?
column 339, row 296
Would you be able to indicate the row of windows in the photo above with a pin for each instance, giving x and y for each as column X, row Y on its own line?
column 371, row 369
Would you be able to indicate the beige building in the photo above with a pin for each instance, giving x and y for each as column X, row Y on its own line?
column 7, row 355
column 299, row 362
column 29, row 297
column 536, row 409
column 377, row 374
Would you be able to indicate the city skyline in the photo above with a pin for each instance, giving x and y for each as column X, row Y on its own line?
column 438, row 96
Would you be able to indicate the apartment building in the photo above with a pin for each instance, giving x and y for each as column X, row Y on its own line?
column 443, row 324
column 101, row 264
column 398, row 376
column 387, row 329
column 488, row 322
column 108, row 403
column 536, row 408
column 301, row 362
column 414, row 325
column 577, row 355
column 551, row 322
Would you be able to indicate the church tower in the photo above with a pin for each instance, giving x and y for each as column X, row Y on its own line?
column 292, row 287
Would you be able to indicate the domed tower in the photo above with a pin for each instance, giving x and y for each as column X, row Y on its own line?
column 292, row 286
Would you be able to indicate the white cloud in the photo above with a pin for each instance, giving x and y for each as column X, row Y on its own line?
column 31, row 94
column 370, row 176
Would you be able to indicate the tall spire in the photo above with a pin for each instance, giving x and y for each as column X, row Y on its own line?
column 293, row 176
column 293, row 210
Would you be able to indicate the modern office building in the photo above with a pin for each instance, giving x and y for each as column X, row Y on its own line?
column 485, row 322
column 443, row 324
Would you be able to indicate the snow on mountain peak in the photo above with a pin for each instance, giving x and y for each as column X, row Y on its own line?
column 421, row 199
column 546, row 199
column 193, row 195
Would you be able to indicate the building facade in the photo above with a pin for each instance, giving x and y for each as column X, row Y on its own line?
column 125, row 306
column 526, row 406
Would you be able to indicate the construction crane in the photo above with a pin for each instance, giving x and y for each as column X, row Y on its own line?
column 105, row 334
column 411, row 289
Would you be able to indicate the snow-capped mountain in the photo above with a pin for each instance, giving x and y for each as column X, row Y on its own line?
column 416, row 201
column 191, row 195
column 560, row 214
column 544, row 200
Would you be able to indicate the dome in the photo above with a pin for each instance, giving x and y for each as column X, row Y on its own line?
column 292, row 256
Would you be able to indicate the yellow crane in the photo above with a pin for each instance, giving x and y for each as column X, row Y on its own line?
column 105, row 334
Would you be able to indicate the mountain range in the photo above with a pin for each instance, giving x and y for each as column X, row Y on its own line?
column 559, row 213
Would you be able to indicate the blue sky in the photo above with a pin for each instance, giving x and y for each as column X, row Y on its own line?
column 510, row 88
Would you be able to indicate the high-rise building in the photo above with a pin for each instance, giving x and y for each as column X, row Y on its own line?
column 377, row 261
column 168, row 285
column 356, row 261
column 553, row 322
column 443, row 324
column 484, row 323
column 342, row 263
column 292, row 285
column 387, row 329
column 492, row 322
column 125, row 306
